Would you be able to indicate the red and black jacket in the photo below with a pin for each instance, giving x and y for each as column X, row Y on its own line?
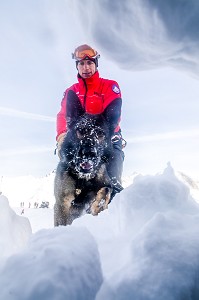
column 94, row 93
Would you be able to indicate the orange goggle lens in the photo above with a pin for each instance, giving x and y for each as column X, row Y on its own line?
column 79, row 55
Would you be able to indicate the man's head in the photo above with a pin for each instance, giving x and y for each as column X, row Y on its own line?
column 86, row 60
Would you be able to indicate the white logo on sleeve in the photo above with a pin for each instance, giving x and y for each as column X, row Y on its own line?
column 115, row 89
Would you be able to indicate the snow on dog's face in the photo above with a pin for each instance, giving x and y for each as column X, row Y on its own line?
column 91, row 137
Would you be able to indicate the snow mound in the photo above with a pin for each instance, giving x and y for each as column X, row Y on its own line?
column 149, row 195
column 60, row 263
column 14, row 230
column 153, row 228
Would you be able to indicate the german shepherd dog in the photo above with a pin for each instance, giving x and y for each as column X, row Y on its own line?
column 82, row 184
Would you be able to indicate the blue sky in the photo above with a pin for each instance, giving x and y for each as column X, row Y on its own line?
column 153, row 56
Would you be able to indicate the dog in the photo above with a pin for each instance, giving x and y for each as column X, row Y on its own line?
column 82, row 184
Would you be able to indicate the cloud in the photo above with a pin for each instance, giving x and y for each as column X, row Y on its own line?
column 25, row 115
column 26, row 150
column 181, row 134
column 144, row 34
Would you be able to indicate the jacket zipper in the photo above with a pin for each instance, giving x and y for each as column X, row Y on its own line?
column 85, row 93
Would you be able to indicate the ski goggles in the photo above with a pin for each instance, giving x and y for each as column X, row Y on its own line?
column 90, row 53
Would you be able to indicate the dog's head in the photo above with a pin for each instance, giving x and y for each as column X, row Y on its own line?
column 92, row 137
column 88, row 141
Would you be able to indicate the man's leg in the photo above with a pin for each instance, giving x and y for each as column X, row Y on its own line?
column 115, row 167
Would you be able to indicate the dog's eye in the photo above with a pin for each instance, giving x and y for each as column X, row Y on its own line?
column 100, row 134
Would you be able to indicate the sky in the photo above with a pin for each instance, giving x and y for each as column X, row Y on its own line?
column 150, row 250
column 149, row 47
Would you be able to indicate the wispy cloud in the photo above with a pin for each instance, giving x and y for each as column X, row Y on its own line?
column 25, row 115
column 27, row 150
column 182, row 134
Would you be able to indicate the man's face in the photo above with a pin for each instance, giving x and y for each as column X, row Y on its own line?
column 86, row 68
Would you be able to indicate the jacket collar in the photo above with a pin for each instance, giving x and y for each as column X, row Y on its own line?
column 89, row 81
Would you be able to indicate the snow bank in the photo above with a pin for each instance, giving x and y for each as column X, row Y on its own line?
column 14, row 230
column 154, row 249
column 61, row 263
column 144, row 247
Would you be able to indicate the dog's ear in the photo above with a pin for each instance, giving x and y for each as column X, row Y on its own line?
column 112, row 113
column 74, row 108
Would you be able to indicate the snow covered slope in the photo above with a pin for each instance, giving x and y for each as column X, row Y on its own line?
column 29, row 189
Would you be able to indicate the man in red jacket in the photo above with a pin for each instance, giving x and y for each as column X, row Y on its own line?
column 95, row 95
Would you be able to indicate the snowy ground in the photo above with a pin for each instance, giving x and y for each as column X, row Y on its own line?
column 144, row 247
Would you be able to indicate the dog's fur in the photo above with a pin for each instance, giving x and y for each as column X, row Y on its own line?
column 82, row 183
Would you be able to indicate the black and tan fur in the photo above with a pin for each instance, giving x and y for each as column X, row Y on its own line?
column 82, row 184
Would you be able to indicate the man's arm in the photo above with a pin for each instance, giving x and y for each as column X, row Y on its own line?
column 113, row 100
column 61, row 118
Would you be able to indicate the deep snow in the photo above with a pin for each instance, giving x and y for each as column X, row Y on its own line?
column 145, row 246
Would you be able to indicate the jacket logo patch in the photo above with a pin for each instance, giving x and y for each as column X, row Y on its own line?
column 115, row 89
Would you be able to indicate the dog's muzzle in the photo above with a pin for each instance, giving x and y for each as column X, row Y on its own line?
column 87, row 159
